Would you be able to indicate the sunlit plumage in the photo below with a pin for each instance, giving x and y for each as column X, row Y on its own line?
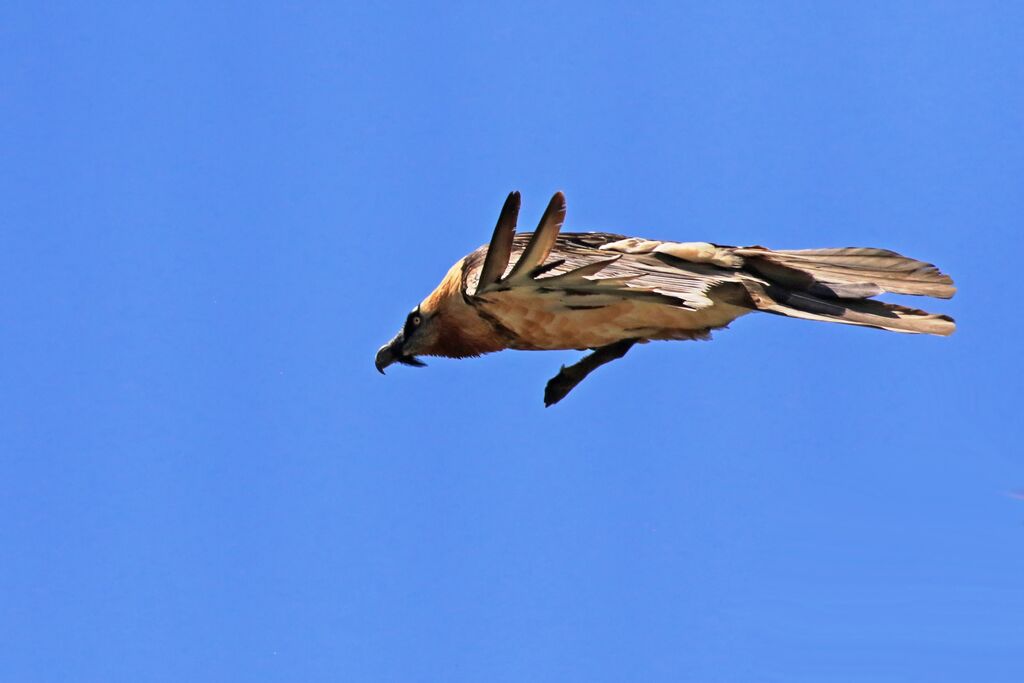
column 549, row 290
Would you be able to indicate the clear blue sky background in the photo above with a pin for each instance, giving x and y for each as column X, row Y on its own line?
column 211, row 217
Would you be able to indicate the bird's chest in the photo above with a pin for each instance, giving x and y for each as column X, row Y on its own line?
column 549, row 321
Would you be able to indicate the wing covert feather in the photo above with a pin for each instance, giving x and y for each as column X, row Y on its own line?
column 579, row 264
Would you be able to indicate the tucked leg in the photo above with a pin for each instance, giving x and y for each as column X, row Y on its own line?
column 560, row 385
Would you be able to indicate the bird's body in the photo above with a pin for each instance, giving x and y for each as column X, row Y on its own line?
column 594, row 313
column 547, row 291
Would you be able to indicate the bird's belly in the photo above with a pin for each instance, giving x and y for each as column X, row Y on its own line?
column 549, row 328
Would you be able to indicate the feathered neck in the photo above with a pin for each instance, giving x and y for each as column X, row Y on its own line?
column 462, row 330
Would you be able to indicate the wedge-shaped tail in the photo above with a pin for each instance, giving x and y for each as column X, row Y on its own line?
column 865, row 312
column 852, row 272
column 833, row 285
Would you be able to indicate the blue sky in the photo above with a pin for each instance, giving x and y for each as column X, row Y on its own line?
column 211, row 218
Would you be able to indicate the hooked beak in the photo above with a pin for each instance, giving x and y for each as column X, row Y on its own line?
column 392, row 353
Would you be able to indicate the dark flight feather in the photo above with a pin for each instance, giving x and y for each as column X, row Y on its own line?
column 541, row 242
column 500, row 249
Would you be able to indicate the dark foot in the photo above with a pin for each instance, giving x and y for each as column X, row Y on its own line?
column 560, row 385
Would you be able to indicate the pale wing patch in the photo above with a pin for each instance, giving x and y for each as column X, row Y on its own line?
column 694, row 252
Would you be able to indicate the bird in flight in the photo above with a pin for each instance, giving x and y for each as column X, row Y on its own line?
column 550, row 290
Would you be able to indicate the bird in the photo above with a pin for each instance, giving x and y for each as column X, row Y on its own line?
column 605, row 292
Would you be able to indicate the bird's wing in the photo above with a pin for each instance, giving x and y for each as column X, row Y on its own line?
column 500, row 249
column 546, row 272
column 598, row 269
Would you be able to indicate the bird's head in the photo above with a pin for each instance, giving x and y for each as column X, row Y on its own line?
column 443, row 324
column 418, row 336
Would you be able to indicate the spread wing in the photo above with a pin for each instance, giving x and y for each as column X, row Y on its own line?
column 576, row 271
column 597, row 269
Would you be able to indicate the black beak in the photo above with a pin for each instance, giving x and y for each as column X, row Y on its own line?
column 392, row 353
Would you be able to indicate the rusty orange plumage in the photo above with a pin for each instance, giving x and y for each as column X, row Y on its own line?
column 549, row 290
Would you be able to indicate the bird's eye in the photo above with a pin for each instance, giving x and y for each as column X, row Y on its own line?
column 412, row 322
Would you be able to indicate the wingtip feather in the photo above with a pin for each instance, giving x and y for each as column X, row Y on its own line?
column 543, row 240
column 500, row 249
